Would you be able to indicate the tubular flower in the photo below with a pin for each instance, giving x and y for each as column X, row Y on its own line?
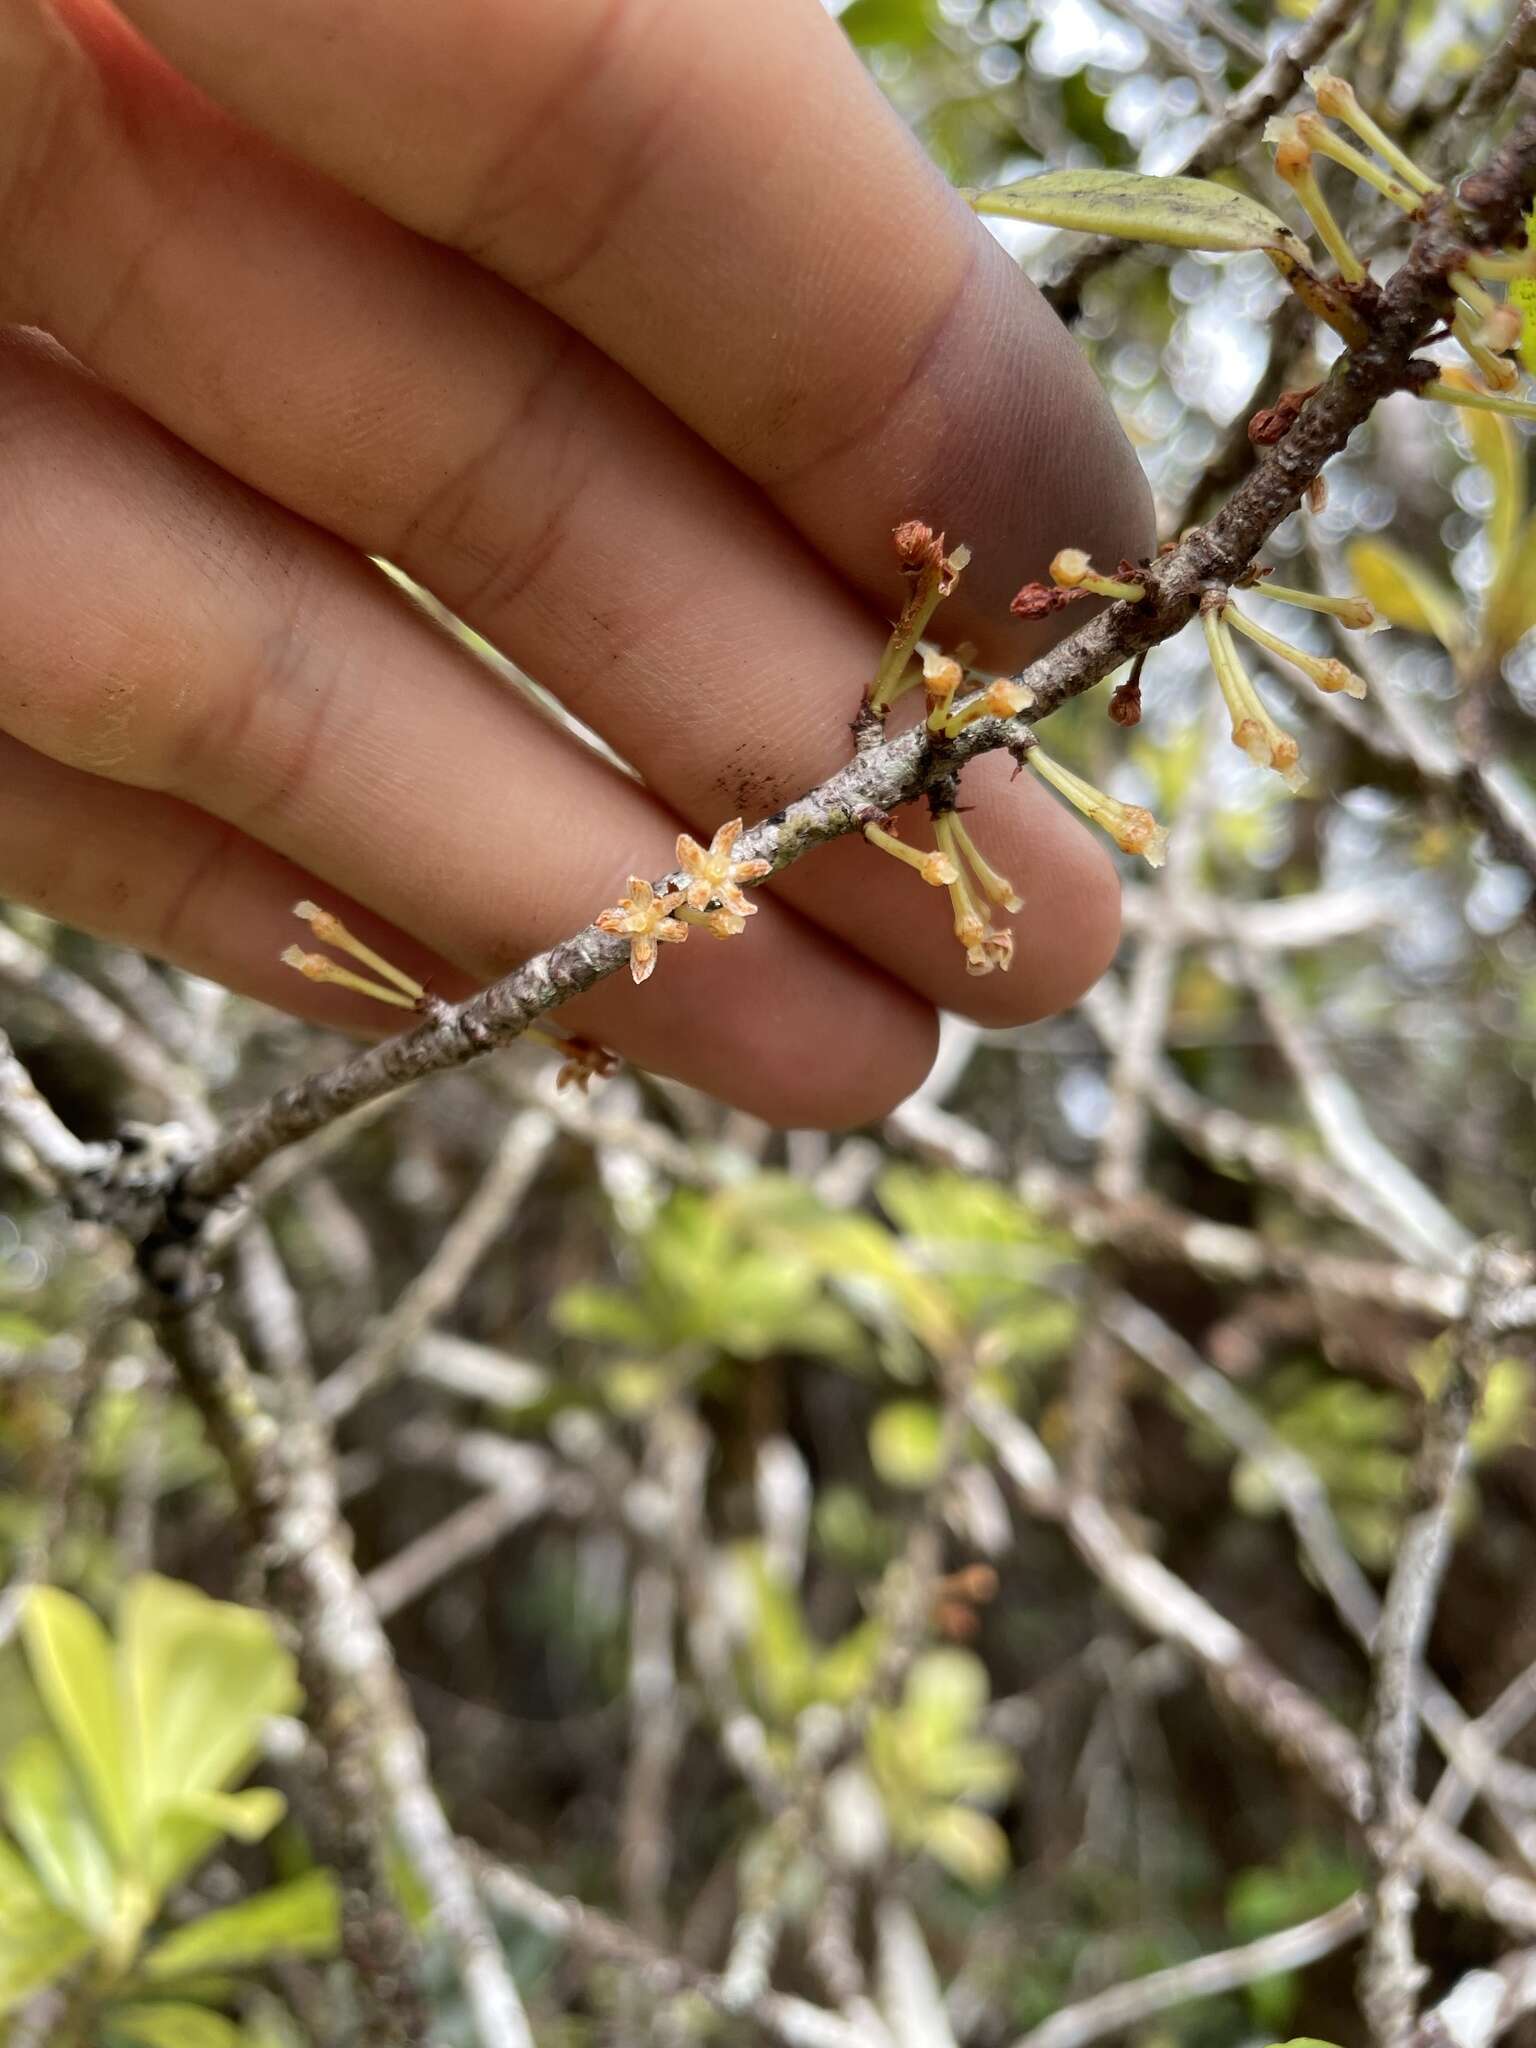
column 1253, row 729
column 394, row 986
column 986, row 948
column 714, row 875
column 936, row 869
column 1072, row 570
column 1003, row 698
column 1329, row 675
column 1317, row 135
column 1293, row 162
column 1335, row 96
column 1355, row 614
column 643, row 918
column 1131, row 826
column 942, row 676
column 994, row 884
column 932, row 576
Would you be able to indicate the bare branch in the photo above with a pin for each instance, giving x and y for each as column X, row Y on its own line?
column 1128, row 2005
column 1390, row 1974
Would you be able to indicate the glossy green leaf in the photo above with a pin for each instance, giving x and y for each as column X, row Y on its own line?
column 171, row 2026
column 1406, row 592
column 200, row 1677
column 70, row 1655
column 1183, row 213
column 297, row 1918
column 47, row 1812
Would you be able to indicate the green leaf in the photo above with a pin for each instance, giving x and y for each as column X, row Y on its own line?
column 970, row 1845
column 70, row 1655
column 46, row 1811
column 37, row 1944
column 1407, row 593
column 297, row 1918
column 1184, row 213
column 200, row 1677
column 1522, row 293
column 1512, row 601
column 906, row 1443
column 948, row 1690
column 170, row 2026
column 186, row 1830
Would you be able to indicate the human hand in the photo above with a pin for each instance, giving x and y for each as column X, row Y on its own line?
column 629, row 329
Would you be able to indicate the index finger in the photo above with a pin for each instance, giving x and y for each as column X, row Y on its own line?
column 720, row 199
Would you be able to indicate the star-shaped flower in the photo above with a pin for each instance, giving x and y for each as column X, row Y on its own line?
column 714, row 877
column 643, row 917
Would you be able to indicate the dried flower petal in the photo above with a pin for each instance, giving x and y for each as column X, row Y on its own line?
column 643, row 918
column 715, row 875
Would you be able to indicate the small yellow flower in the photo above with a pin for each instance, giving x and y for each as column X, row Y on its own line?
column 714, row 876
column 643, row 918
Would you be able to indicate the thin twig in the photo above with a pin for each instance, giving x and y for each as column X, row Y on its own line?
column 1390, row 1973
column 1123, row 2006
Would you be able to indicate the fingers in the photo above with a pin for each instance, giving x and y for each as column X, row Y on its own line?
column 225, row 654
column 719, row 198
column 393, row 392
column 157, row 874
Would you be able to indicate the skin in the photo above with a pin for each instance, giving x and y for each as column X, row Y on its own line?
column 627, row 328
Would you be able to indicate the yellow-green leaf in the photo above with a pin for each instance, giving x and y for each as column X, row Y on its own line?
column 1407, row 593
column 1498, row 453
column 970, row 1845
column 1512, row 601
column 70, row 1656
column 1185, row 213
column 1523, row 294
column 298, row 1918
column 171, row 2026
column 200, row 1677
column 906, row 1443
column 185, row 1830
column 46, row 1811
column 37, row 1944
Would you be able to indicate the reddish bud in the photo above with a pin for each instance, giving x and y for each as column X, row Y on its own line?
column 1039, row 600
